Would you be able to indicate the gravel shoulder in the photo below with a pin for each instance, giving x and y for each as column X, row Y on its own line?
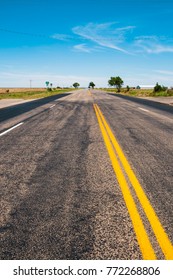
column 10, row 102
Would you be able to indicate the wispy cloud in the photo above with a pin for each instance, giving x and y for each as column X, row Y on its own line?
column 164, row 72
column 61, row 37
column 109, row 35
column 87, row 49
column 105, row 34
column 153, row 44
column 82, row 48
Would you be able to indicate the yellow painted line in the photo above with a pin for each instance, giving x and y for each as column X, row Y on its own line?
column 89, row 92
column 161, row 236
column 142, row 237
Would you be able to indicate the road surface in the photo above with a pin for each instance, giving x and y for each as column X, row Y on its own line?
column 86, row 175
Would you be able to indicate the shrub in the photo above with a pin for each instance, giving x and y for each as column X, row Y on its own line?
column 127, row 88
column 164, row 88
column 158, row 88
column 170, row 92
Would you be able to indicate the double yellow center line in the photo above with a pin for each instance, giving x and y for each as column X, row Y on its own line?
column 116, row 155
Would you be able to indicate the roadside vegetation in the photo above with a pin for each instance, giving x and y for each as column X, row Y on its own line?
column 115, row 86
column 91, row 85
column 32, row 93
column 116, row 82
column 76, row 85
column 141, row 92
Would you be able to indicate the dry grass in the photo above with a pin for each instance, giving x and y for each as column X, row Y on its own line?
column 13, row 90
column 29, row 93
column 141, row 92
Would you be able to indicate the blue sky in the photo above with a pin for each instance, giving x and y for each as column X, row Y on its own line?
column 81, row 41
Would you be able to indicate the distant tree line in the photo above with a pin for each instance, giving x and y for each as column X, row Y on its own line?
column 116, row 82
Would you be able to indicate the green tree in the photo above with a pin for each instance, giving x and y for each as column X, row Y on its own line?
column 158, row 88
column 47, row 84
column 127, row 88
column 116, row 82
column 76, row 85
column 91, row 84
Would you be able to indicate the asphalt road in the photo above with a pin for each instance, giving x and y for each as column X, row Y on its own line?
column 61, row 197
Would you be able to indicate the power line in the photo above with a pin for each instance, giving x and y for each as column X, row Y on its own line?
column 25, row 33
column 56, row 36
column 60, row 37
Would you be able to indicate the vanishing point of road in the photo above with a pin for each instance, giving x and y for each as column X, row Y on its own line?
column 86, row 175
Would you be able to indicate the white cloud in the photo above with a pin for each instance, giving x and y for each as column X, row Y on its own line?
column 108, row 35
column 152, row 45
column 61, row 37
column 86, row 49
column 160, row 49
column 82, row 48
column 165, row 72
column 105, row 34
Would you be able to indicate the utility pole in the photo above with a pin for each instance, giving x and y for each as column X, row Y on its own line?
column 30, row 83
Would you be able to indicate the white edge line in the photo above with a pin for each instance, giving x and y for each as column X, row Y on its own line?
column 8, row 130
column 145, row 110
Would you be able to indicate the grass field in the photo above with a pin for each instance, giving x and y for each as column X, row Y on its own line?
column 141, row 92
column 34, row 93
column 27, row 93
